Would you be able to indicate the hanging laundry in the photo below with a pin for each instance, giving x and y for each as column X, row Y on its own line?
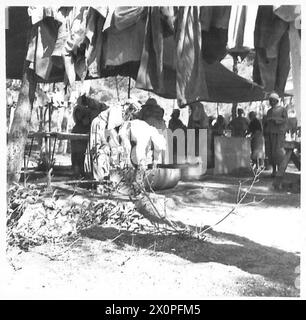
column 190, row 73
column 271, row 41
column 41, row 45
column 289, row 14
column 93, row 53
column 74, row 41
column 39, row 13
column 241, row 28
column 166, row 45
column 125, row 17
column 214, row 22
column 292, row 15
column 150, row 71
column 168, row 20
column 124, row 46
column 75, row 36
column 214, row 16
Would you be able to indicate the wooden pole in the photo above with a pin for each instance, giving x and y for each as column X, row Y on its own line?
column 129, row 88
column 49, row 138
column 235, row 70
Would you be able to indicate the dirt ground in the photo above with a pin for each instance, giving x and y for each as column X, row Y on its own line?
column 255, row 252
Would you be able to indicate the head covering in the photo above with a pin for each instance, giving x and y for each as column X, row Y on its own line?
column 274, row 96
column 151, row 102
column 151, row 109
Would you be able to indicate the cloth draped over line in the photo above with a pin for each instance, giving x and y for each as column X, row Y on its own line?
column 241, row 29
column 178, row 69
column 214, row 22
column 179, row 66
column 167, row 61
column 271, row 41
column 191, row 81
column 292, row 15
column 125, row 17
column 70, row 39
column 151, row 71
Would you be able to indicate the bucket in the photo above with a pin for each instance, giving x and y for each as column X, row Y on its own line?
column 161, row 178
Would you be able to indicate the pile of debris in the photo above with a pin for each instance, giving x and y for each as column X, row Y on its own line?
column 34, row 218
column 110, row 213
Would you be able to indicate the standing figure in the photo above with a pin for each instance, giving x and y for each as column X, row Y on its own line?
column 219, row 126
column 239, row 125
column 78, row 147
column 175, row 122
column 84, row 112
column 198, row 118
column 257, row 140
column 274, row 130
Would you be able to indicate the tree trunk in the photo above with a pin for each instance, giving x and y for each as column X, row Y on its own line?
column 17, row 136
column 235, row 70
column 234, row 110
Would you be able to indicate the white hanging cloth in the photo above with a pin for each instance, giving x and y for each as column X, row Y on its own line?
column 242, row 26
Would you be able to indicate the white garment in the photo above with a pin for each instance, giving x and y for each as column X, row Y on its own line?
column 242, row 26
column 141, row 134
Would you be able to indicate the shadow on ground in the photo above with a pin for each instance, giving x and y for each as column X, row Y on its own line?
column 223, row 189
column 227, row 249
